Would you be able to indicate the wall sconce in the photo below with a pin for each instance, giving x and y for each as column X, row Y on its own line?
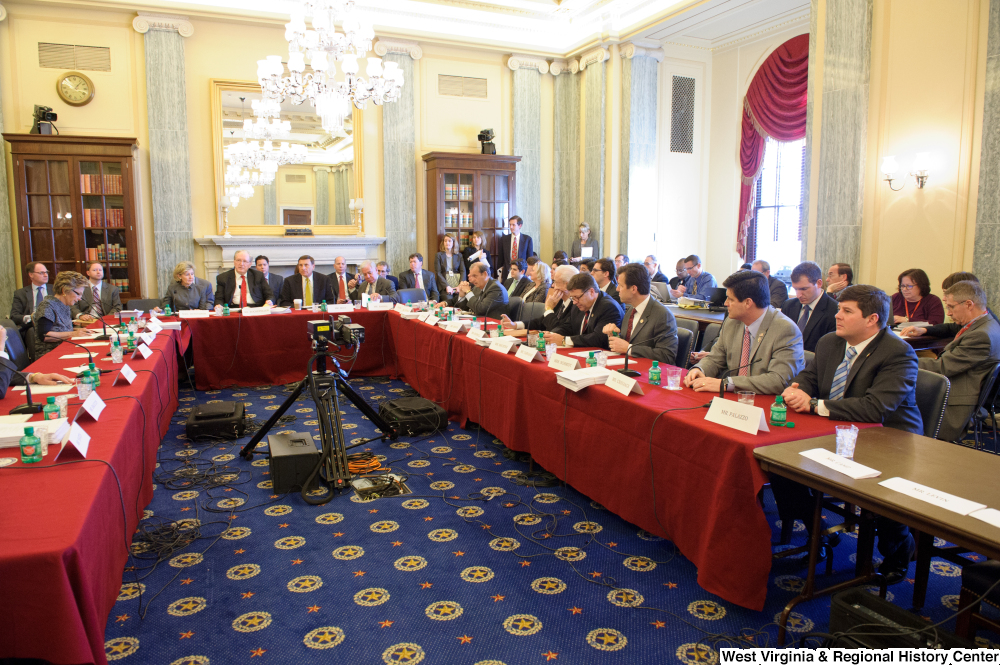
column 921, row 166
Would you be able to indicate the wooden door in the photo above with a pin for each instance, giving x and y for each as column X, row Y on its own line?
column 46, row 215
column 105, row 224
column 495, row 204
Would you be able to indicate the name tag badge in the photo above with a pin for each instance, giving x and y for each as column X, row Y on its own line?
column 743, row 417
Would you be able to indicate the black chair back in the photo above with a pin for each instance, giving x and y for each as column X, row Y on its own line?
column 407, row 296
column 29, row 343
column 514, row 308
column 145, row 304
column 531, row 310
column 692, row 325
column 684, row 339
column 15, row 348
column 932, row 398
column 709, row 336
column 985, row 406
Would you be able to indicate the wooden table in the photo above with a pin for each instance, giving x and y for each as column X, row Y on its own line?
column 702, row 316
column 947, row 467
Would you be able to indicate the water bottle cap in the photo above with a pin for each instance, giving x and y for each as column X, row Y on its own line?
column 29, row 431
column 50, row 400
column 656, row 363
column 779, row 400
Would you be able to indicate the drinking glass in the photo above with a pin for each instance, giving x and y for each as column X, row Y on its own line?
column 745, row 397
column 673, row 378
column 550, row 349
column 847, row 439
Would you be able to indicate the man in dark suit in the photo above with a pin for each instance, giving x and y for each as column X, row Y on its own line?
column 418, row 278
column 558, row 306
column 604, row 272
column 969, row 358
column 481, row 295
column 307, row 285
column 682, row 274
column 514, row 246
column 650, row 328
column 31, row 294
column 383, row 272
column 378, row 288
column 652, row 265
column 89, row 308
column 779, row 292
column 517, row 281
column 263, row 264
column 8, row 376
column 341, row 281
column 862, row 373
column 242, row 285
column 813, row 310
column 595, row 310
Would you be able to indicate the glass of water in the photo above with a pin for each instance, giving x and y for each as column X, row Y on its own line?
column 673, row 378
column 550, row 349
column 847, row 439
column 533, row 340
column 601, row 358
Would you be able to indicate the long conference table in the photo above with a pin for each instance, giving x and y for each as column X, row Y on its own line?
column 64, row 539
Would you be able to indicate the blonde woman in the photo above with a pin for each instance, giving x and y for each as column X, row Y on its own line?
column 541, row 279
column 583, row 242
column 449, row 267
column 477, row 248
column 54, row 315
column 187, row 291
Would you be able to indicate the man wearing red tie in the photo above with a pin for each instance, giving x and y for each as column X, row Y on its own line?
column 242, row 286
column 648, row 329
column 514, row 246
column 343, row 283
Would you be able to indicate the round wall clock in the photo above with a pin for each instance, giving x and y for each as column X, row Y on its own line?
column 75, row 89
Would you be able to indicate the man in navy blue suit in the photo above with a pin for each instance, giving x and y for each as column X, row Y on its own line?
column 515, row 246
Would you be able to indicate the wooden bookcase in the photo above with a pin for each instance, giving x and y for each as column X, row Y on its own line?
column 76, row 202
column 466, row 193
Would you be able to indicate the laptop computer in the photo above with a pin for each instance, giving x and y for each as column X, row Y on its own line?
column 716, row 300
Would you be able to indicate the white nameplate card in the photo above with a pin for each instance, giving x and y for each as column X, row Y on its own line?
column 364, row 299
column 502, row 344
column 126, row 372
column 744, row 417
column 454, row 326
column 432, row 320
column 476, row 333
column 380, row 306
column 143, row 350
column 47, row 390
column 93, row 405
column 955, row 504
column 194, row 314
column 70, row 356
column 989, row 515
column 848, row 467
column 625, row 385
column 340, row 309
column 402, row 309
column 77, row 440
column 147, row 337
column 256, row 311
column 423, row 316
column 528, row 353
column 563, row 363
column 586, row 354
column 154, row 326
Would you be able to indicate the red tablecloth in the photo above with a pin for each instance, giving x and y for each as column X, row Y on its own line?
column 707, row 480
column 63, row 538
column 247, row 351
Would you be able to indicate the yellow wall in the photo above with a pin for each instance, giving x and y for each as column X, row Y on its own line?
column 926, row 86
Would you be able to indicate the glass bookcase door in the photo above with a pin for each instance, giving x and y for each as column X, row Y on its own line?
column 50, row 225
column 494, row 206
column 103, row 205
column 459, row 206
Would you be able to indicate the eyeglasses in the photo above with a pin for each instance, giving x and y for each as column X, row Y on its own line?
column 907, row 286
column 577, row 298
column 951, row 307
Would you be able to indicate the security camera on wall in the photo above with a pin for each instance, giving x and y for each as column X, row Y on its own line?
column 486, row 138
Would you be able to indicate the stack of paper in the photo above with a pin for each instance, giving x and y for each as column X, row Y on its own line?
column 578, row 379
column 690, row 303
column 10, row 433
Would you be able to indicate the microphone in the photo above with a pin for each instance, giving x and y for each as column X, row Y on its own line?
column 29, row 407
column 104, row 335
column 89, row 354
column 728, row 372
column 631, row 372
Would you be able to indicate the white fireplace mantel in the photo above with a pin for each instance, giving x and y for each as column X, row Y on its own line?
column 284, row 252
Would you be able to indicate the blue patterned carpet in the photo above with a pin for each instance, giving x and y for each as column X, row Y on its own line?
column 470, row 568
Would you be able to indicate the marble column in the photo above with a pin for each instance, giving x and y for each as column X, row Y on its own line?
column 843, row 134
column 594, row 95
column 271, row 204
column 342, row 176
column 807, row 164
column 169, row 166
column 640, row 75
column 399, row 156
column 322, row 211
column 526, row 134
column 8, row 268
column 986, row 257
column 566, row 153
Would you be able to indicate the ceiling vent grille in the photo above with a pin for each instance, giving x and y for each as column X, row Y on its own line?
column 299, row 178
column 461, row 86
column 68, row 56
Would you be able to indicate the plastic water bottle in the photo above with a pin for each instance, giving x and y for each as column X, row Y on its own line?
column 541, row 343
column 322, row 306
column 779, row 412
column 167, row 311
column 225, row 310
column 654, row 374
column 116, row 352
column 31, row 447
column 51, row 410
column 96, row 375
column 499, row 330
column 133, row 326
column 591, row 360
column 131, row 341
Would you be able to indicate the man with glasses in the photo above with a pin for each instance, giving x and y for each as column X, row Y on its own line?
column 558, row 306
column 698, row 284
column 242, row 286
column 29, row 297
column 594, row 311
column 620, row 260
column 969, row 358
column 383, row 272
column 603, row 273
column 653, row 268
column 682, row 274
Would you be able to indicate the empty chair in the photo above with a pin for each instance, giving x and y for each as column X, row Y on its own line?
column 985, row 408
column 977, row 579
column 530, row 310
column 145, row 304
column 514, row 308
column 692, row 325
column 15, row 348
column 709, row 336
column 932, row 398
column 407, row 296
column 684, row 339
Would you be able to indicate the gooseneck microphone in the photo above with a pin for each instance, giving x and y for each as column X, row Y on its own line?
column 104, row 335
column 631, row 372
column 29, row 407
column 89, row 355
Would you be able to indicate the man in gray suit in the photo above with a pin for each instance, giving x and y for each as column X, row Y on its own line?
column 88, row 308
column 755, row 334
column 378, row 288
column 967, row 359
column 650, row 328
column 481, row 295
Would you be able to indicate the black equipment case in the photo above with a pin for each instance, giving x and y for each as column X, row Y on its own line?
column 223, row 420
column 412, row 416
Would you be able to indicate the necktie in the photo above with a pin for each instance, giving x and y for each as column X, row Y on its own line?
column 586, row 319
column 513, row 285
column 840, row 377
column 804, row 318
column 97, row 299
column 309, row 292
column 38, row 295
column 243, row 292
column 745, row 355
column 420, row 280
column 513, row 248
column 628, row 330
column 343, row 288
column 694, row 286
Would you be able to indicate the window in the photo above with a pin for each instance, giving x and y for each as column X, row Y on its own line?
column 775, row 233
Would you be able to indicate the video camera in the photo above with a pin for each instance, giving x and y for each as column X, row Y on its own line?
column 340, row 331
column 43, row 118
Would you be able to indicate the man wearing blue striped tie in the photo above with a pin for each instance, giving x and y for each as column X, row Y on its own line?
column 863, row 373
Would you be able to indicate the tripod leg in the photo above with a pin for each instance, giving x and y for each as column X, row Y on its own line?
column 366, row 409
column 248, row 450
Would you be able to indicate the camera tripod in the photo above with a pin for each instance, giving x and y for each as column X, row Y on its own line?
column 324, row 387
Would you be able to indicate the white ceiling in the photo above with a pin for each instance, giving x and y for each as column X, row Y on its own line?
column 720, row 22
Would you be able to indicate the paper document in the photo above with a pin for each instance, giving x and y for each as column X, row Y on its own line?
column 11, row 433
column 586, row 252
column 47, row 390
column 71, row 356
column 988, row 515
column 848, row 467
column 586, row 354
column 23, row 418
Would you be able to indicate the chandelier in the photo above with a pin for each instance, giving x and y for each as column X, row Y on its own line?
column 324, row 46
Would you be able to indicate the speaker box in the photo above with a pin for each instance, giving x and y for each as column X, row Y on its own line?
column 293, row 457
column 874, row 623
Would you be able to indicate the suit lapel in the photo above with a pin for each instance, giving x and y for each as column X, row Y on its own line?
column 641, row 321
column 755, row 343
column 813, row 316
column 955, row 342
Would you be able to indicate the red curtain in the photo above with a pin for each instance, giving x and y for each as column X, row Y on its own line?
column 775, row 106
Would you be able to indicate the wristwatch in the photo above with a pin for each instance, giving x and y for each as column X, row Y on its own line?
column 812, row 405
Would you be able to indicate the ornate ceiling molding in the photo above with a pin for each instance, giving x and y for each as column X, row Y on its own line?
column 631, row 50
column 147, row 21
column 317, row 169
column 594, row 56
column 564, row 67
column 517, row 61
column 402, row 46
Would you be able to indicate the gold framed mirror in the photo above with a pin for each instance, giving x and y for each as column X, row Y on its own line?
column 318, row 193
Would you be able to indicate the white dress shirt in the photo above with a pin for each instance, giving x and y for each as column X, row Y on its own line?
column 812, row 309
column 236, row 293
